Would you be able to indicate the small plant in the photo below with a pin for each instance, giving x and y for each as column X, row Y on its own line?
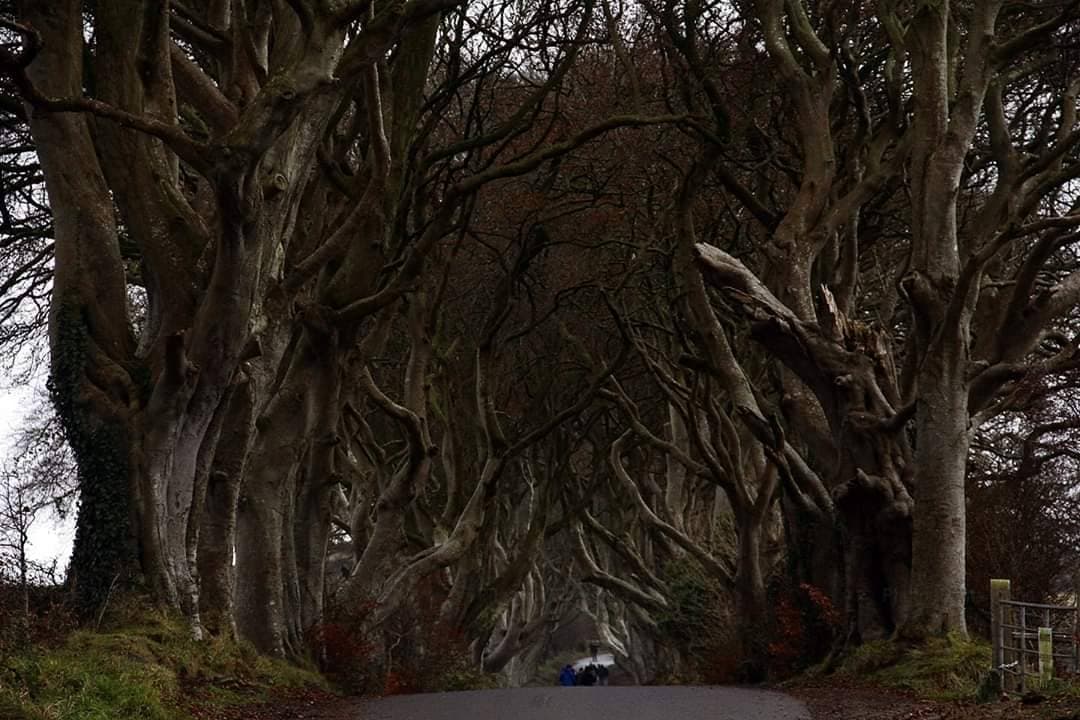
column 989, row 687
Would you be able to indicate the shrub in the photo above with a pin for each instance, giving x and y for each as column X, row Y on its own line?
column 346, row 655
column 698, row 625
column 51, row 618
column 413, row 651
column 803, row 630
column 428, row 654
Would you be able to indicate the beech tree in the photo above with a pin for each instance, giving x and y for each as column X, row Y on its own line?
column 240, row 195
column 826, row 248
column 941, row 109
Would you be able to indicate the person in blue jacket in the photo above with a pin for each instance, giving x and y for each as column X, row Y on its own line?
column 567, row 676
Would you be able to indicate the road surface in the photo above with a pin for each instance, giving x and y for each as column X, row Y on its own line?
column 596, row 703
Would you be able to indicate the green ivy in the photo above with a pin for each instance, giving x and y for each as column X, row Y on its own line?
column 694, row 614
column 104, row 547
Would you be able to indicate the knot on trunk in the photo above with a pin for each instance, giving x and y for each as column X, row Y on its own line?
column 276, row 183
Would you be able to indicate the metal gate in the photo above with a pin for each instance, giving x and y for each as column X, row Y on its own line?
column 1032, row 642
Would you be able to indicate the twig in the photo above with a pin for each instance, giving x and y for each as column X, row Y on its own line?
column 105, row 605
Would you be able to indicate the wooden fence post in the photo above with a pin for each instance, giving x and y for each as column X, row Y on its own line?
column 999, row 590
column 1046, row 656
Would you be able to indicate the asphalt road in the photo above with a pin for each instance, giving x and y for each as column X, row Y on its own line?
column 582, row 703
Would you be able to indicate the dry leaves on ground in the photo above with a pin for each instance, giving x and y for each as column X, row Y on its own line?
column 856, row 703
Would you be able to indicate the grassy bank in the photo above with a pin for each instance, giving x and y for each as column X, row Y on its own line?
column 143, row 667
column 942, row 669
column 944, row 679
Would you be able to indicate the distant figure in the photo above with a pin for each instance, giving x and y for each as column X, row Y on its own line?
column 602, row 674
column 587, row 676
column 567, row 677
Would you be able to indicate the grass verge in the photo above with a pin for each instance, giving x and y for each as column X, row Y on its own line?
column 144, row 668
column 941, row 669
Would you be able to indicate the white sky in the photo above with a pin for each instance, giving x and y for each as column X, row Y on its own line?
column 50, row 537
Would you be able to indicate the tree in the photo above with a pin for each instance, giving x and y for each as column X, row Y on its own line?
column 1021, row 492
column 964, row 235
column 18, row 511
column 37, row 477
column 268, row 182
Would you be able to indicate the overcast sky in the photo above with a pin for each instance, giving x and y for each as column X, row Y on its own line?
column 50, row 537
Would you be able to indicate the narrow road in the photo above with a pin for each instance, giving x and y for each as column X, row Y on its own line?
column 578, row 703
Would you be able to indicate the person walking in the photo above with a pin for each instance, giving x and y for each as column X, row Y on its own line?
column 602, row 675
column 567, row 676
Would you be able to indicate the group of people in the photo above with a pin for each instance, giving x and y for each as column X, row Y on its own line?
column 587, row 676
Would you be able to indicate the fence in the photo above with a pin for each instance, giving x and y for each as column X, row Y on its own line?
column 1031, row 640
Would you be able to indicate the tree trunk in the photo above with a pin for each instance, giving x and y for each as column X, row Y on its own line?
column 217, row 531
column 217, row 543
column 938, row 569
column 89, row 337
column 751, row 603
column 22, row 637
column 260, row 611
column 269, row 603
column 315, row 497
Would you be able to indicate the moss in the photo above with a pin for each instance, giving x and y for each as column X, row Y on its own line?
column 943, row 668
column 872, row 656
column 148, row 670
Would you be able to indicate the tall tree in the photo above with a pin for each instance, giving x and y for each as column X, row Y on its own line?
column 967, row 232
column 242, row 195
